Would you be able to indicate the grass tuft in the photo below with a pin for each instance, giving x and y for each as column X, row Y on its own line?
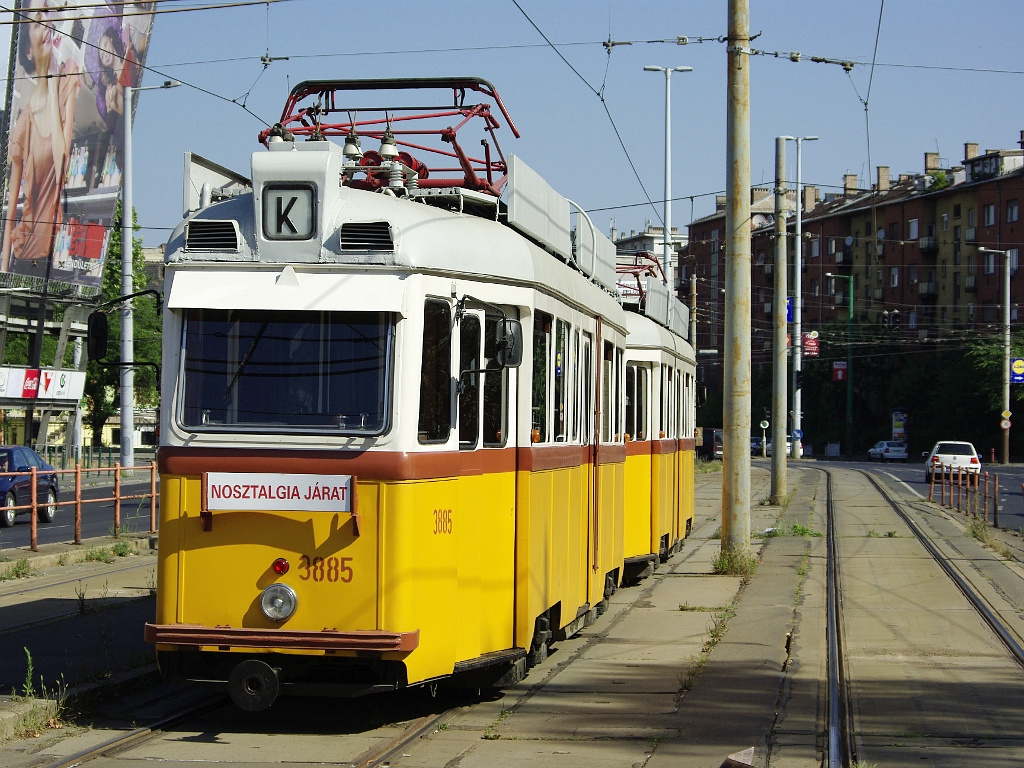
column 18, row 570
column 743, row 563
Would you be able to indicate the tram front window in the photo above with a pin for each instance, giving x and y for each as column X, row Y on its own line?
column 286, row 371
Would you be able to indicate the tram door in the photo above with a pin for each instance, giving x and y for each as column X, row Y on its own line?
column 487, row 488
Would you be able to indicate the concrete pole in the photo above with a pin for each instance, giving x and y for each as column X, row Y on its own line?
column 1006, row 352
column 798, row 340
column 779, row 411
column 736, row 352
column 127, row 289
column 666, row 264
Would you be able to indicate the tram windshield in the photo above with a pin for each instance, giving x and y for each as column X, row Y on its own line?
column 285, row 371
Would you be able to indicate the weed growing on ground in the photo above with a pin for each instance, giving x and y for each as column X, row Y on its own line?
column 890, row 534
column 703, row 467
column 80, row 592
column 19, row 570
column 123, row 548
column 28, row 688
column 742, row 563
column 39, row 718
column 805, row 530
column 62, row 559
column 717, row 534
column 703, row 608
column 978, row 529
column 872, row 533
column 100, row 555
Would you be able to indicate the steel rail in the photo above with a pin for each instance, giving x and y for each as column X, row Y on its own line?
column 139, row 735
column 840, row 752
column 382, row 754
column 977, row 602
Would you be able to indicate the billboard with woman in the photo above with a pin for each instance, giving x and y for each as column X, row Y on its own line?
column 66, row 135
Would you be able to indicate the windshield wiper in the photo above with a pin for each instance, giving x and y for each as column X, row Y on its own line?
column 245, row 359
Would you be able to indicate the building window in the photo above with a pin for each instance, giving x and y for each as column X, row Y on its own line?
column 970, row 217
column 990, row 263
column 912, row 230
column 894, row 277
column 815, row 288
column 956, row 211
column 1013, row 254
column 989, row 214
column 832, row 244
column 1012, row 210
column 943, row 269
column 912, row 274
column 815, row 248
column 945, row 222
column 970, row 312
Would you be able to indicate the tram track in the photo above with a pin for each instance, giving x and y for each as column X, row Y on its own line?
column 841, row 743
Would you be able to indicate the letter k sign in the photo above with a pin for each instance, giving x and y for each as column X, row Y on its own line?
column 288, row 212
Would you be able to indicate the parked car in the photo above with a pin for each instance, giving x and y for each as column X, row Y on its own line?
column 789, row 447
column 887, row 450
column 16, row 490
column 951, row 456
column 755, row 446
column 711, row 443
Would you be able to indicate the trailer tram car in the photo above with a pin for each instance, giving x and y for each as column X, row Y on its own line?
column 394, row 413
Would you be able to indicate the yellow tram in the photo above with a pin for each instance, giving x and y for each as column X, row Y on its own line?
column 394, row 415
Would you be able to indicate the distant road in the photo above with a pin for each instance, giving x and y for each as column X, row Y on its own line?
column 97, row 517
column 1011, row 498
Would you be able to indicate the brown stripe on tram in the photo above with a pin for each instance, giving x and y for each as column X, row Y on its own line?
column 381, row 465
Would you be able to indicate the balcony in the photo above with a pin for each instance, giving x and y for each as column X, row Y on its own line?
column 928, row 245
column 971, row 283
column 927, row 289
column 971, row 235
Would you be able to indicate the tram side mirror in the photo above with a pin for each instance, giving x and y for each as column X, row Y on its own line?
column 97, row 336
column 702, row 395
column 510, row 343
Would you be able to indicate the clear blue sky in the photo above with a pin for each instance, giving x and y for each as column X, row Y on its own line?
column 933, row 89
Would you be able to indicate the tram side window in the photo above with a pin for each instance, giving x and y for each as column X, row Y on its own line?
column 495, row 387
column 541, row 375
column 636, row 402
column 670, row 400
column 561, row 390
column 586, row 392
column 609, row 394
column 436, row 373
column 469, row 391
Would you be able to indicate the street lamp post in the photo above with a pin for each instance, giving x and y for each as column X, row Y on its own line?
column 798, row 266
column 1006, row 347
column 666, row 255
column 127, row 283
column 849, row 364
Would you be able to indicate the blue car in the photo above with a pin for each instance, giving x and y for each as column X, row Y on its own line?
column 17, row 490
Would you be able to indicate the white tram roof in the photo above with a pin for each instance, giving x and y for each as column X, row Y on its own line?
column 227, row 260
column 645, row 334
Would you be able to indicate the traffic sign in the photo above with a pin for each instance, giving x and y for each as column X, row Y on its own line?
column 1016, row 371
column 1004, row 424
column 839, row 370
column 1006, row 414
column 764, row 425
column 798, row 434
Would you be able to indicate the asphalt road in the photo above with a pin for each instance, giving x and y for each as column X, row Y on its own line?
column 1011, row 478
column 97, row 517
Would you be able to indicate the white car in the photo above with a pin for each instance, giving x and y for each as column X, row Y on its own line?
column 789, row 447
column 887, row 450
column 949, row 456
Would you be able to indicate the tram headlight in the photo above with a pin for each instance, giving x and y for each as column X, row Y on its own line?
column 278, row 602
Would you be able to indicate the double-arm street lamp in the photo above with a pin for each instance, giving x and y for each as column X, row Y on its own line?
column 127, row 283
column 798, row 266
column 849, row 364
column 667, row 255
column 1006, row 348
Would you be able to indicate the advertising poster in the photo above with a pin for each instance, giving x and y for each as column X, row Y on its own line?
column 66, row 135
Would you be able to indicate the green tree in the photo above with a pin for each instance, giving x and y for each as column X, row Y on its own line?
column 102, row 383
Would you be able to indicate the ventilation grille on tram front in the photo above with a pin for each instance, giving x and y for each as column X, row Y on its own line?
column 366, row 236
column 209, row 235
